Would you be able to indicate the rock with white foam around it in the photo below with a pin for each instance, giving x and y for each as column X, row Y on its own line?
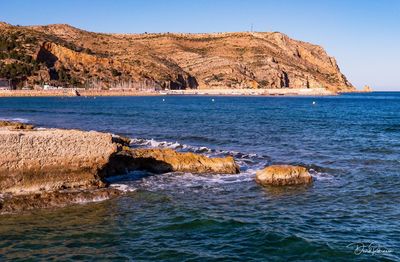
column 168, row 160
column 282, row 175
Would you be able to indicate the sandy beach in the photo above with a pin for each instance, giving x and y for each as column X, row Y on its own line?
column 47, row 93
column 216, row 92
column 256, row 92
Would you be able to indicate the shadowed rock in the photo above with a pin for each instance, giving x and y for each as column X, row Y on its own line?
column 281, row 175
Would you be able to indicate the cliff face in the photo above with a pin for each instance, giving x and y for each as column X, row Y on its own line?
column 65, row 54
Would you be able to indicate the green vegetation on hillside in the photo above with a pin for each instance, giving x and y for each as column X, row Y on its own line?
column 15, row 63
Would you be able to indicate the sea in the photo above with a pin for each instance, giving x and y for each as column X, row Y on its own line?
column 351, row 212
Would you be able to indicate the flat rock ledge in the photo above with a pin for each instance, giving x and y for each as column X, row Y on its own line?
column 283, row 175
column 168, row 160
column 44, row 168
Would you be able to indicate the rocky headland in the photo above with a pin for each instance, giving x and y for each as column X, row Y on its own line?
column 62, row 55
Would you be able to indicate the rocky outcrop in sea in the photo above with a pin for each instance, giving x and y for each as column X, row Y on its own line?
column 44, row 168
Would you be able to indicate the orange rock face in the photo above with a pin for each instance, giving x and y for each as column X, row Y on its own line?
column 281, row 175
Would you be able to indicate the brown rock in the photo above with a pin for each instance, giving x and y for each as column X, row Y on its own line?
column 168, row 160
column 281, row 175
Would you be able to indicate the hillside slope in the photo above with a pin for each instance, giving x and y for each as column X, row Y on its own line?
column 64, row 55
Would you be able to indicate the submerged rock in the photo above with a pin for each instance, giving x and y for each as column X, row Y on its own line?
column 19, row 203
column 168, row 160
column 281, row 175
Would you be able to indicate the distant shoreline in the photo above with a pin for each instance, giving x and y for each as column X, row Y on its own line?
column 200, row 92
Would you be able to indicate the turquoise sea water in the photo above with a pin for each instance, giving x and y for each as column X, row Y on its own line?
column 351, row 143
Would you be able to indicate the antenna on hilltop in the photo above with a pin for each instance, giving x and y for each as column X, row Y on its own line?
column 251, row 28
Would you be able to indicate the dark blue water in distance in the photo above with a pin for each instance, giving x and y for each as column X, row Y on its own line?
column 351, row 144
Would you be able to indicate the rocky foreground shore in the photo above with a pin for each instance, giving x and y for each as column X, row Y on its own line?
column 41, row 168
column 45, row 168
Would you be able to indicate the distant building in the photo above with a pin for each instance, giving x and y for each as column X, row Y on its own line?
column 5, row 84
column 50, row 87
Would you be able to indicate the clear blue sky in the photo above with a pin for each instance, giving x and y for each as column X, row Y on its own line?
column 363, row 35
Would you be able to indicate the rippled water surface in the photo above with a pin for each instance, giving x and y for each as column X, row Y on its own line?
column 351, row 143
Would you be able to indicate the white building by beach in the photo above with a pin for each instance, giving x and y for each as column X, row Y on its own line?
column 50, row 87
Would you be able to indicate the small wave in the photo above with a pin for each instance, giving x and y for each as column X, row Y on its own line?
column 377, row 150
column 123, row 187
column 139, row 142
column 317, row 168
column 392, row 128
column 21, row 120
column 321, row 175
column 191, row 181
column 91, row 200
column 151, row 143
column 319, row 172
column 30, row 111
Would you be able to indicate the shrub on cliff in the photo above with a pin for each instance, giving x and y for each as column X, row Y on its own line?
column 115, row 72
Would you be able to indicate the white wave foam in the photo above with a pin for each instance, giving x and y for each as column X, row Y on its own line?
column 188, row 181
column 321, row 175
column 21, row 120
column 91, row 200
column 123, row 187
column 165, row 144
column 252, row 157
